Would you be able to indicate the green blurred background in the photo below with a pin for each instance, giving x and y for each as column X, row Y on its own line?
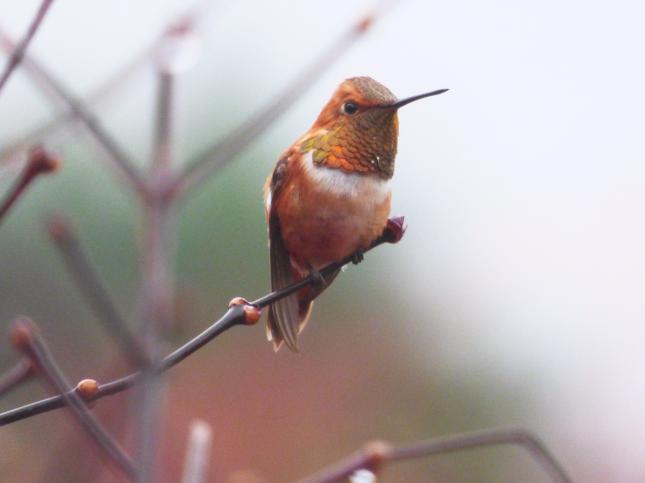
column 515, row 297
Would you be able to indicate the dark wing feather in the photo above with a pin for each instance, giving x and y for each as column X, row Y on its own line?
column 284, row 317
column 289, row 315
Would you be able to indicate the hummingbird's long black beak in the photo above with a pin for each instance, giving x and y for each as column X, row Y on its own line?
column 408, row 100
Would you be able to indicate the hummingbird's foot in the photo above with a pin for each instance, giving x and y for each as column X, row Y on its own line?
column 317, row 277
column 395, row 229
column 358, row 257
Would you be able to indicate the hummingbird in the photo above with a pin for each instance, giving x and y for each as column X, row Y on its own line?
column 328, row 196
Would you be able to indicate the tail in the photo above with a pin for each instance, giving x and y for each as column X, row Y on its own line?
column 289, row 316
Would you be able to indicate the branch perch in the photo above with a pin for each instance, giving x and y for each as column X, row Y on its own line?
column 377, row 454
column 240, row 312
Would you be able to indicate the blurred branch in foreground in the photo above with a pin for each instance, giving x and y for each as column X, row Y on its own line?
column 374, row 456
column 197, row 452
column 19, row 52
column 117, row 155
column 88, row 282
column 19, row 373
column 39, row 162
column 25, row 337
column 106, row 90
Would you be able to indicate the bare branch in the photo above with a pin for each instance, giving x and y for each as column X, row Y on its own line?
column 105, row 91
column 90, row 285
column 377, row 454
column 19, row 52
column 120, row 159
column 165, row 121
column 19, row 373
column 224, row 151
column 177, row 53
column 197, row 452
column 240, row 312
column 26, row 337
column 39, row 162
column 157, row 307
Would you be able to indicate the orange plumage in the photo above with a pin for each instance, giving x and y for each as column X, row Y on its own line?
column 328, row 196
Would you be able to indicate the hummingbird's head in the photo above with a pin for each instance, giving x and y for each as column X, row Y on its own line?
column 361, row 127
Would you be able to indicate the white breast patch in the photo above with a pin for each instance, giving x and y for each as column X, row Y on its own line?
column 340, row 183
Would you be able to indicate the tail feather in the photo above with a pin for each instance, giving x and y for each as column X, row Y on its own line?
column 289, row 316
column 283, row 323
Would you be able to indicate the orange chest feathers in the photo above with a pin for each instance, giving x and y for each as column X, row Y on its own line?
column 327, row 214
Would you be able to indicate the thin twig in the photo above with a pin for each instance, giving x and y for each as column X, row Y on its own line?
column 223, row 152
column 39, row 162
column 157, row 253
column 61, row 120
column 22, row 371
column 8, row 45
column 192, row 18
column 197, row 452
column 26, row 337
column 378, row 454
column 237, row 314
column 19, row 52
column 165, row 119
column 120, row 159
column 90, row 285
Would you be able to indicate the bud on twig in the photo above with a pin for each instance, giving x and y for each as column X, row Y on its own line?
column 87, row 389
column 39, row 162
column 251, row 313
column 21, row 334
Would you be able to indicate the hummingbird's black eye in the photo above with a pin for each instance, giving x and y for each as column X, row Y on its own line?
column 350, row 108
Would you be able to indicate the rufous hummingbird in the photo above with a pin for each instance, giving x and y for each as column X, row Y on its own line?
column 329, row 195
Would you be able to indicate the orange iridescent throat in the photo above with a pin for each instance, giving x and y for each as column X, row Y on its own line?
column 366, row 145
